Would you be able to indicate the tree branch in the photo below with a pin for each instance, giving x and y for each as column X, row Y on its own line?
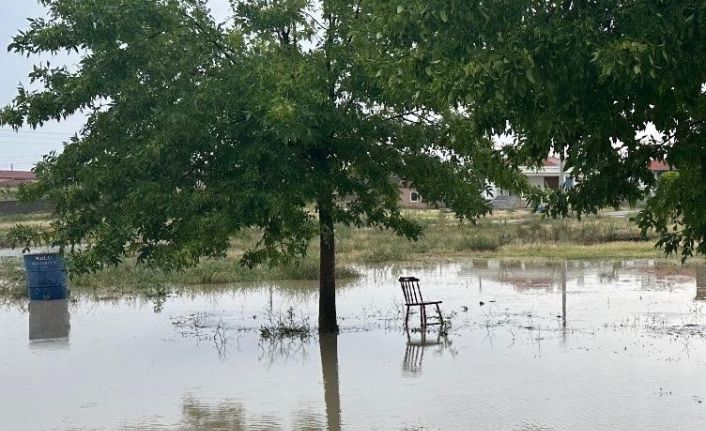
column 229, row 53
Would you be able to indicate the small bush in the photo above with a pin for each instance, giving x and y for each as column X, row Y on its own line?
column 12, row 279
column 385, row 253
column 477, row 243
column 286, row 326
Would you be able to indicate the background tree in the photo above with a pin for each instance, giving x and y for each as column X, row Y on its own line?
column 196, row 131
column 582, row 79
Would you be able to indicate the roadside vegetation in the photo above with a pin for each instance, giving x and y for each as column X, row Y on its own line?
column 8, row 193
column 505, row 234
column 7, row 222
column 519, row 234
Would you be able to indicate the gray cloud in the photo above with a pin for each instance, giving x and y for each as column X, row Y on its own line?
column 23, row 149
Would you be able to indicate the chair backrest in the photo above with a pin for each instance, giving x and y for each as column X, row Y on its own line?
column 411, row 291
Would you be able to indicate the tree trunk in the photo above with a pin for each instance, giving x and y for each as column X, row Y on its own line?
column 327, row 268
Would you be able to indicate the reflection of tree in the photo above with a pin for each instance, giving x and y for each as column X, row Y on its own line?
column 283, row 349
column 415, row 347
column 701, row 283
column 328, row 345
column 221, row 416
column 286, row 348
column 232, row 416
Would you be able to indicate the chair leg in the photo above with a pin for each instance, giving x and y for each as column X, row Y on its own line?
column 406, row 318
column 438, row 310
column 423, row 316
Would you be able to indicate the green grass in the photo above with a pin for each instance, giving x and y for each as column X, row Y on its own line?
column 8, row 193
column 480, row 243
column 7, row 222
column 131, row 279
column 517, row 234
column 12, row 281
column 612, row 250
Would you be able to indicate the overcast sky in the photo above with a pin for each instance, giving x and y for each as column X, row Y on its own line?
column 22, row 150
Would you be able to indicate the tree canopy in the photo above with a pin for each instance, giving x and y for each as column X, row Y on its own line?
column 582, row 79
column 197, row 130
column 297, row 115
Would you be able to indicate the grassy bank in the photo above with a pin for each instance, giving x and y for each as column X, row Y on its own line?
column 7, row 222
column 504, row 235
column 518, row 234
column 131, row 279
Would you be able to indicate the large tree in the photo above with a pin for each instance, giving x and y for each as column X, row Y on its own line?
column 197, row 130
column 582, row 79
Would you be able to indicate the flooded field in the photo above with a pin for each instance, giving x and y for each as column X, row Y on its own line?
column 563, row 346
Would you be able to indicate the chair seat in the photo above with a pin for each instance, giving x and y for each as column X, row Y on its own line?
column 424, row 303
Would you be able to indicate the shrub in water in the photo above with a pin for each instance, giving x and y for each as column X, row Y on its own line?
column 285, row 326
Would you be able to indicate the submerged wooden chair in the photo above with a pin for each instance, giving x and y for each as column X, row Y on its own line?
column 413, row 298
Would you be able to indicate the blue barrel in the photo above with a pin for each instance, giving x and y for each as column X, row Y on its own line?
column 46, row 276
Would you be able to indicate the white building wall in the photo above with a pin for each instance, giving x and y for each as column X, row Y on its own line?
column 536, row 181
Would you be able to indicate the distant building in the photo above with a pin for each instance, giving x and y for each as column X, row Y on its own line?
column 16, row 178
column 658, row 167
column 411, row 198
column 546, row 176
column 549, row 175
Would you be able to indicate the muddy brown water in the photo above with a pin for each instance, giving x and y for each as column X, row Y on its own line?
column 560, row 346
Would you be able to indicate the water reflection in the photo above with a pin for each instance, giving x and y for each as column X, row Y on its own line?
column 415, row 347
column 523, row 275
column 564, row 265
column 534, row 276
column 233, row 415
column 701, row 283
column 328, row 346
column 197, row 415
column 49, row 321
column 602, row 369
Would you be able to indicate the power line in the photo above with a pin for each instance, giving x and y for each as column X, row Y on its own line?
column 30, row 133
column 21, row 132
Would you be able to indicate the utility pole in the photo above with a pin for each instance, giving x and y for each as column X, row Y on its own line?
column 561, row 170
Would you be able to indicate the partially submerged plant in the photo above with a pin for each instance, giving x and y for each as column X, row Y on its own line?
column 285, row 326
column 12, row 284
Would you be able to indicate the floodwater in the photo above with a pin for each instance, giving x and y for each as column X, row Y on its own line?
column 562, row 346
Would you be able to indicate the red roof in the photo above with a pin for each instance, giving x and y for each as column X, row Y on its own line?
column 17, row 175
column 656, row 165
column 551, row 161
column 16, row 178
